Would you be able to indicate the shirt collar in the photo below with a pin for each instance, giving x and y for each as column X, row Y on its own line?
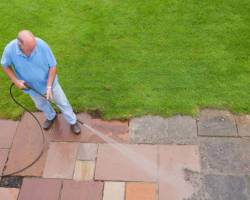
column 20, row 53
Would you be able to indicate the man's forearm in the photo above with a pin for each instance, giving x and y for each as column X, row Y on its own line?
column 12, row 76
column 52, row 75
column 9, row 72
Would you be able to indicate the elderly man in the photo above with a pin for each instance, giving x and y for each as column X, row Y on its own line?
column 34, row 64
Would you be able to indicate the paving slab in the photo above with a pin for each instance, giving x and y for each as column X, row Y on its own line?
column 78, row 190
column 225, row 155
column 40, row 189
column 140, row 191
column 8, row 130
column 243, row 124
column 173, row 161
column 194, row 178
column 61, row 160
column 158, row 130
column 9, row 193
column 3, row 158
column 149, row 130
column 225, row 187
column 27, row 145
column 87, row 151
column 126, row 162
column 117, row 130
column 247, row 178
column 182, row 129
column 114, row 191
column 84, row 170
column 216, row 123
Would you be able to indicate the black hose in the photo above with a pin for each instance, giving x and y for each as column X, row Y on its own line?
column 40, row 126
column 42, row 133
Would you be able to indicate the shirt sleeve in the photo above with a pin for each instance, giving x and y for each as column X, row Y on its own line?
column 49, row 56
column 6, row 58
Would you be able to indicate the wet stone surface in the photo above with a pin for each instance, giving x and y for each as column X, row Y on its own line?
column 174, row 163
column 194, row 179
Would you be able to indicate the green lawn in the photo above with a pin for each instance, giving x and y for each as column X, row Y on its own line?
column 130, row 58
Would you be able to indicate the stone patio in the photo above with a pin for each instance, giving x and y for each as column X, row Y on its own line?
column 152, row 158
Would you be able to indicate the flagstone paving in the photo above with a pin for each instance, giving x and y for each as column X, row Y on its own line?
column 114, row 191
column 145, row 191
column 226, row 187
column 89, row 190
column 157, row 130
column 84, row 170
column 9, row 193
column 61, row 160
column 40, row 189
column 127, row 163
column 216, row 123
column 3, row 158
column 8, row 130
column 114, row 129
column 87, row 151
column 27, row 144
column 152, row 158
column 173, row 161
column 225, row 156
column 243, row 124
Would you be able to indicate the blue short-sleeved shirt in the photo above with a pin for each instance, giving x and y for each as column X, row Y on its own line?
column 33, row 69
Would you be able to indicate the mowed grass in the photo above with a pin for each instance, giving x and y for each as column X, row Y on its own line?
column 131, row 58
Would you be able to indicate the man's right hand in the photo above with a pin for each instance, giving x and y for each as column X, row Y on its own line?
column 20, row 84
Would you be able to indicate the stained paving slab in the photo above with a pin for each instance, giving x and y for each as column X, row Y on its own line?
column 225, row 187
column 225, row 155
column 157, row 130
column 174, row 160
column 216, row 123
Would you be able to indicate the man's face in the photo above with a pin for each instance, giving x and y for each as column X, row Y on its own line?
column 27, row 48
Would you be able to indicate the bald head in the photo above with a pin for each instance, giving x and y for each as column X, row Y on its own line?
column 27, row 41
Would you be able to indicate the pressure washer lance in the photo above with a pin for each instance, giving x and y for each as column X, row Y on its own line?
column 40, row 126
